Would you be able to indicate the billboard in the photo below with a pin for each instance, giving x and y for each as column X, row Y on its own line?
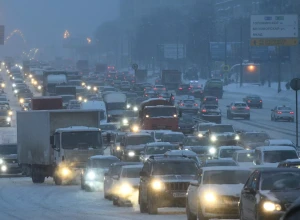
column 217, row 51
column 172, row 51
column 269, row 53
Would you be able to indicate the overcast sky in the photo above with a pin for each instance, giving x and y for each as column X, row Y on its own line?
column 43, row 22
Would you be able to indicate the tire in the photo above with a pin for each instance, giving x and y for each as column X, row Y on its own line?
column 242, row 217
column 143, row 205
column 57, row 180
column 152, row 207
column 116, row 202
column 36, row 176
column 189, row 215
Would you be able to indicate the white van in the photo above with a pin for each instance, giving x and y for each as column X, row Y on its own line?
column 279, row 142
column 96, row 105
column 273, row 155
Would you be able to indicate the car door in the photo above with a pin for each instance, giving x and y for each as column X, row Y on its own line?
column 252, row 196
column 273, row 112
column 193, row 193
column 245, row 198
column 144, row 181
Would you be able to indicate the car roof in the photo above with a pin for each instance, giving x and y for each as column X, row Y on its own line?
column 274, row 148
column 132, row 166
column 138, row 134
column 239, row 102
column 122, row 163
column 276, row 169
column 219, row 161
column 171, row 159
column 230, row 147
column 244, row 151
column 173, row 132
column 100, row 157
column 291, row 161
column 180, row 153
column 159, row 144
column 225, row 168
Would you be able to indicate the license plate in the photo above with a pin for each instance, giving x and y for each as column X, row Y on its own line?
column 179, row 195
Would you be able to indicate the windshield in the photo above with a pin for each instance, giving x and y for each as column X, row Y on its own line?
column 223, row 163
column 245, row 157
column 227, row 153
column 137, row 140
column 3, row 113
column 131, row 172
column 284, row 108
column 254, row 97
column 108, row 127
column 203, row 127
column 103, row 163
column 211, row 107
column 226, row 177
column 67, row 98
column 186, row 120
column 75, row 83
column 160, row 149
column 160, row 112
column 173, row 138
column 81, row 140
column 222, row 128
column 116, row 106
column 280, row 180
column 194, row 141
column 8, row 149
column 175, row 168
column 188, row 102
column 277, row 156
column 254, row 137
column 130, row 114
column 240, row 105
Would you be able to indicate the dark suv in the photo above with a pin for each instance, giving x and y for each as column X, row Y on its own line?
column 164, row 182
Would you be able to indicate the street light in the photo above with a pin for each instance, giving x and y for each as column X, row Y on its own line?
column 89, row 40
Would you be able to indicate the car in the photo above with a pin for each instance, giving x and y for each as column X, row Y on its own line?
column 18, row 86
column 216, row 163
column 238, row 110
column 157, row 148
column 273, row 155
column 215, row 193
column 184, row 89
column 198, row 93
column 126, row 185
column 108, row 128
column 282, row 112
column 92, row 176
column 211, row 113
column 222, row 135
column 74, row 104
column 113, row 170
column 226, row 152
column 159, row 88
column 252, row 139
column 188, row 106
column 186, row 124
column 164, row 181
column 133, row 144
column 5, row 117
column 9, row 159
column 163, row 95
column 269, row 193
column 125, row 85
column 150, row 94
column 210, row 100
column 184, row 153
column 279, row 142
column 115, row 147
column 25, row 104
column 159, row 133
column 202, row 128
column 244, row 158
column 173, row 137
column 290, row 163
column 253, row 101
column 195, row 84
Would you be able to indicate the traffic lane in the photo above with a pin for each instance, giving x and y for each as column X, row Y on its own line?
column 260, row 119
column 21, row 199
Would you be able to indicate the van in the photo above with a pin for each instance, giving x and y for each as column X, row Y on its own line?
column 273, row 155
column 279, row 142
column 96, row 105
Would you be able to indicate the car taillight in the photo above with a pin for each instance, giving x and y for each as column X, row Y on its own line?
column 205, row 99
column 203, row 110
column 160, row 97
column 278, row 112
column 173, row 97
column 182, row 104
column 233, row 107
column 180, row 88
column 216, row 100
column 260, row 101
column 247, row 108
column 195, row 104
column 291, row 112
column 189, row 87
column 249, row 100
column 155, row 88
column 164, row 88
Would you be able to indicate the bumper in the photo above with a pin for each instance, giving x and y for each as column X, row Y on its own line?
column 211, row 117
column 282, row 117
column 170, row 199
column 188, row 111
column 221, row 211
column 254, row 104
column 186, row 130
column 240, row 114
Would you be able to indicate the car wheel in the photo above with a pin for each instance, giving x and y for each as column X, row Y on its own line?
column 200, row 214
column 152, row 207
column 116, row 201
column 143, row 205
column 189, row 215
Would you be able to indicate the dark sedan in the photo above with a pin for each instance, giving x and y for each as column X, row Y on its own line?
column 269, row 193
column 253, row 101
column 186, row 124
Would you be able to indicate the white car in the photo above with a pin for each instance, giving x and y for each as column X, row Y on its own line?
column 282, row 113
column 244, row 158
column 226, row 152
column 216, row 193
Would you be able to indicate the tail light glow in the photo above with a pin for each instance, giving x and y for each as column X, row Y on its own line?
column 247, row 108
column 203, row 110
column 279, row 112
column 291, row 113
column 233, row 108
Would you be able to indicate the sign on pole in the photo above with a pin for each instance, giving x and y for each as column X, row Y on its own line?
column 274, row 30
column 2, row 35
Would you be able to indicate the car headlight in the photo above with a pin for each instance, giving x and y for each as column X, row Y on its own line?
column 128, row 106
column 30, row 76
column 13, row 85
column 79, row 98
column 21, row 101
column 39, row 87
column 213, row 138
column 65, row 171
column 270, row 206
column 212, row 150
column 126, row 189
column 118, row 148
column 135, row 128
column 88, row 87
column 157, row 185
column 135, row 108
column 95, row 88
column 91, row 175
column 1, row 161
column 2, row 85
column 210, row 197
column 237, row 138
column 16, row 91
column 10, row 113
column 3, row 168
column 200, row 135
column 8, row 119
column 131, row 154
column 125, row 121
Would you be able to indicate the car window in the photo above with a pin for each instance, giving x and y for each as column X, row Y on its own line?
column 284, row 108
column 240, row 105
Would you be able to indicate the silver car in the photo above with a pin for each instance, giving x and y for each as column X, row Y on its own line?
column 238, row 110
column 282, row 112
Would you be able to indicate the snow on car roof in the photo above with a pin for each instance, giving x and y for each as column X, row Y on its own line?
column 181, row 152
column 225, row 168
column 274, row 148
column 280, row 141
column 100, row 157
column 173, row 132
column 244, row 151
column 230, row 147
column 291, row 161
column 132, row 166
column 138, row 134
column 77, row 128
column 158, row 143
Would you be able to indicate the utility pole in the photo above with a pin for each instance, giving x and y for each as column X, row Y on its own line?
column 279, row 68
column 241, row 55
column 225, row 61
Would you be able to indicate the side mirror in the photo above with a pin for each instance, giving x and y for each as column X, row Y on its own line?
column 194, row 183
column 143, row 173
column 52, row 140
column 116, row 177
